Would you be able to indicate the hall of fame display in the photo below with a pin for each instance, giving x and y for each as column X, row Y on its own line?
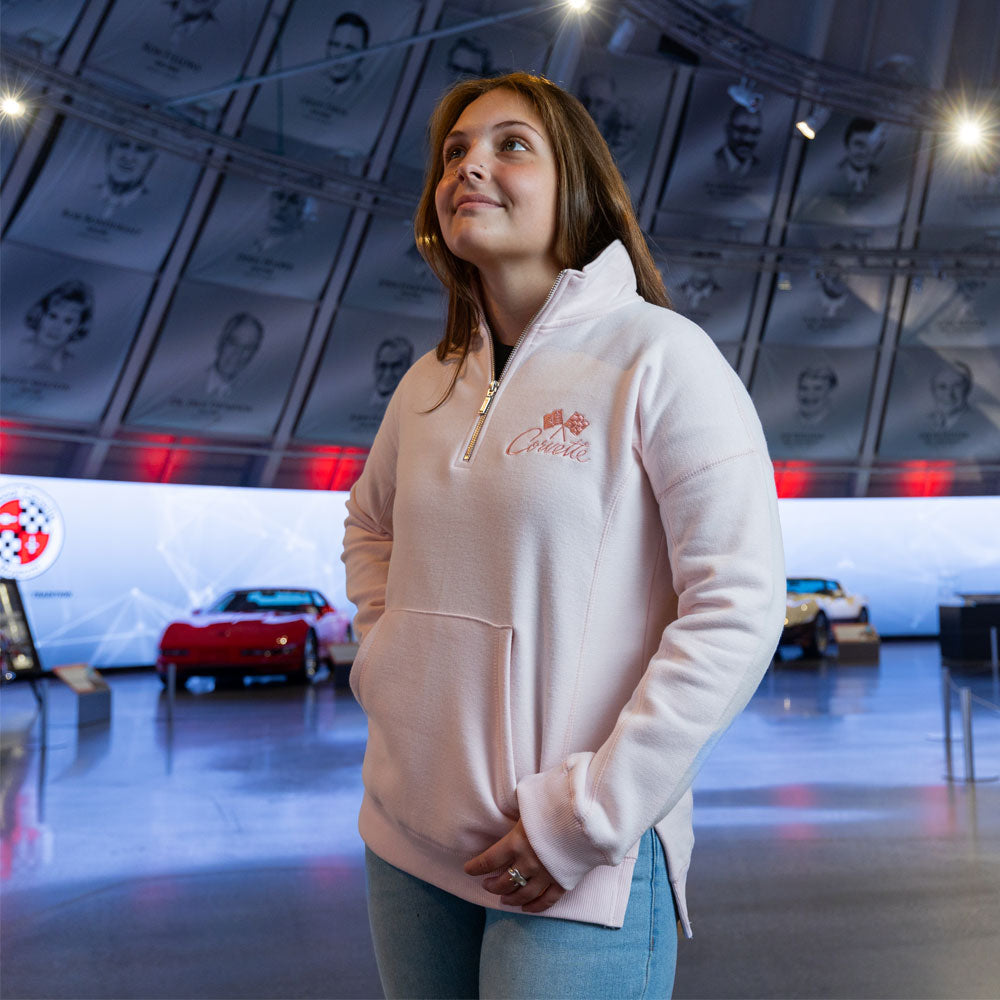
column 626, row 97
column 943, row 403
column 954, row 308
column 339, row 109
column 105, row 196
column 728, row 158
column 66, row 328
column 490, row 51
column 176, row 47
column 390, row 275
column 964, row 190
column 856, row 172
column 223, row 362
column 367, row 353
column 268, row 239
column 813, row 401
column 716, row 297
column 43, row 24
column 828, row 305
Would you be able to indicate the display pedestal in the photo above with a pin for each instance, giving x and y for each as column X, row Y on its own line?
column 93, row 696
column 969, row 632
column 857, row 642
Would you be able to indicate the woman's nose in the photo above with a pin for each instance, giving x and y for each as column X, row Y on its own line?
column 472, row 168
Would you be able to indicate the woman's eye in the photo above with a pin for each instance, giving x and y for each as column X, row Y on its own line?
column 452, row 153
column 512, row 144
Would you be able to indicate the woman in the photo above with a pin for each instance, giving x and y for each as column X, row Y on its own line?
column 568, row 573
column 56, row 320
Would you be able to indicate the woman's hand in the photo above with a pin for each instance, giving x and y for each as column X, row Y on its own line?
column 514, row 851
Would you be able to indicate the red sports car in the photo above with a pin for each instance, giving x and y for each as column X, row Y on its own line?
column 259, row 631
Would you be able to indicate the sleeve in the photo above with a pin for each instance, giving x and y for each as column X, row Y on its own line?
column 704, row 452
column 368, row 527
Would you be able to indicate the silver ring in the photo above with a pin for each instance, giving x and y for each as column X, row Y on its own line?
column 516, row 876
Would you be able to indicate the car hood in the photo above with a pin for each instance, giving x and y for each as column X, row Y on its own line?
column 240, row 622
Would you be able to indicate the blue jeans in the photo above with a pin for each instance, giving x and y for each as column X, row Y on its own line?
column 432, row 945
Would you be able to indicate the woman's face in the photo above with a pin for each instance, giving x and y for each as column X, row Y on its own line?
column 58, row 323
column 496, row 202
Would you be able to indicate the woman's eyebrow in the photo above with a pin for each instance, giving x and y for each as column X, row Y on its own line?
column 459, row 134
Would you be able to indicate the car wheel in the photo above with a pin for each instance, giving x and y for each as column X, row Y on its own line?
column 310, row 659
column 819, row 641
column 863, row 616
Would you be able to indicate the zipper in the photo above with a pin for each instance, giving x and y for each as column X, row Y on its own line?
column 491, row 389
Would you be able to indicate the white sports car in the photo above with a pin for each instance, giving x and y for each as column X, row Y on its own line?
column 812, row 605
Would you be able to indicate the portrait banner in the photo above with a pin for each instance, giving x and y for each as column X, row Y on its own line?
column 105, row 196
column 490, row 51
column 956, row 309
column 813, row 401
column 626, row 97
column 943, row 403
column 268, row 239
column 827, row 305
column 729, row 157
column 964, row 190
column 65, row 331
column 856, row 172
column 223, row 363
column 389, row 274
column 44, row 24
column 342, row 108
column 367, row 353
column 176, row 47
column 716, row 297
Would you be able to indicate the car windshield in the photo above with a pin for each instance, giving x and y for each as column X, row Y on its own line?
column 813, row 585
column 285, row 601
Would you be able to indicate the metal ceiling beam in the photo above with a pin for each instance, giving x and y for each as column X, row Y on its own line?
column 723, row 41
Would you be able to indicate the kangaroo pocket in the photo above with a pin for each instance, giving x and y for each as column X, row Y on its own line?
column 436, row 689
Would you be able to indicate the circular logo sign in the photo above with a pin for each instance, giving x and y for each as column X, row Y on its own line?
column 31, row 532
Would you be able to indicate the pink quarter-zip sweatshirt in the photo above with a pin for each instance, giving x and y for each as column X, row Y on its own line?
column 559, row 623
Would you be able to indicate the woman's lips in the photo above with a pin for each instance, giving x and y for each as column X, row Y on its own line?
column 476, row 200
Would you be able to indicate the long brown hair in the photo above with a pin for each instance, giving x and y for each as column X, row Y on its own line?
column 593, row 205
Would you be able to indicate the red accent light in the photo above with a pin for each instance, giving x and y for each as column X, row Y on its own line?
column 159, row 465
column 339, row 471
column 926, row 479
column 792, row 478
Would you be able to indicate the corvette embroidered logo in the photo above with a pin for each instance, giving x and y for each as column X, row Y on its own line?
column 563, row 441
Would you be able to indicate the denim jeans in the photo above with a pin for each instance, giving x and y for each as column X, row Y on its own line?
column 432, row 945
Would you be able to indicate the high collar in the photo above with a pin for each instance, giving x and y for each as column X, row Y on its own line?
column 605, row 284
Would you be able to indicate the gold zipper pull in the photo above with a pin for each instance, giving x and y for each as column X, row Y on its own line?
column 489, row 397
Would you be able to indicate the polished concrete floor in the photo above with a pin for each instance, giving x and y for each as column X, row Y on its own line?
column 217, row 856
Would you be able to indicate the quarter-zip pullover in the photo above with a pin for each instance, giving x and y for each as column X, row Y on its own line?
column 565, row 594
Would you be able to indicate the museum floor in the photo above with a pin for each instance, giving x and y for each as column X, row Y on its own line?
column 217, row 856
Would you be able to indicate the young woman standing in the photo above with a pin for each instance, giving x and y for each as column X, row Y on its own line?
column 566, row 558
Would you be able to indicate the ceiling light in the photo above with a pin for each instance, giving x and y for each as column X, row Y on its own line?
column 969, row 133
column 743, row 93
column 12, row 107
column 818, row 116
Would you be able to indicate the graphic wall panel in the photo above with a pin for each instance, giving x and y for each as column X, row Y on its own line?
column 66, row 328
column 223, row 362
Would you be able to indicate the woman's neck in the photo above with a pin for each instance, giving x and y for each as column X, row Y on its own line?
column 512, row 296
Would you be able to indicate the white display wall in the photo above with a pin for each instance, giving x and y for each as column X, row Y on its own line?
column 134, row 556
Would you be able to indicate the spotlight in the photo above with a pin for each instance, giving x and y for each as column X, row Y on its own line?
column 743, row 93
column 969, row 133
column 818, row 116
column 12, row 107
column 580, row 6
